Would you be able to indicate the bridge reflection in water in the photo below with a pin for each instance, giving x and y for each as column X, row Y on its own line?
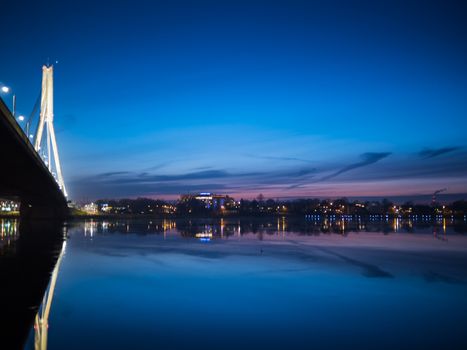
column 41, row 322
column 30, row 256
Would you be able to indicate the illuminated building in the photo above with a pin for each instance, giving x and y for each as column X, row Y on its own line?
column 90, row 208
column 8, row 206
column 210, row 200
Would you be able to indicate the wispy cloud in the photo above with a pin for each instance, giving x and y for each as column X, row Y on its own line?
column 140, row 183
column 196, row 175
column 283, row 179
column 287, row 159
column 414, row 167
column 111, row 173
column 157, row 166
column 431, row 153
column 367, row 159
column 305, row 171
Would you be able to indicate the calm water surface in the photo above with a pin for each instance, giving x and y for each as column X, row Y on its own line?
column 271, row 284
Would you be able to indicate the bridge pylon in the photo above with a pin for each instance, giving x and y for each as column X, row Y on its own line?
column 46, row 129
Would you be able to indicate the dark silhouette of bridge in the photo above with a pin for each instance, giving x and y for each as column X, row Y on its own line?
column 23, row 174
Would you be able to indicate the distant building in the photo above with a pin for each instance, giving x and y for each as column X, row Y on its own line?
column 8, row 206
column 90, row 208
column 216, row 202
column 106, row 208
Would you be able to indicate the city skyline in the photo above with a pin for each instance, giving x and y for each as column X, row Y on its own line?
column 303, row 99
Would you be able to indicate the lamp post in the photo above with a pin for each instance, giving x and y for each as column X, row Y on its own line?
column 5, row 89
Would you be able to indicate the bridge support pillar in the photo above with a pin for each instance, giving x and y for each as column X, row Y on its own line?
column 36, row 210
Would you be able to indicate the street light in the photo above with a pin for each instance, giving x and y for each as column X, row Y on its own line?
column 21, row 118
column 5, row 89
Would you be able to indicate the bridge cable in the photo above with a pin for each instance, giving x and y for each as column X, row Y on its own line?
column 31, row 116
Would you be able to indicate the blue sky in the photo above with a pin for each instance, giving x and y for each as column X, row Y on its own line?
column 286, row 98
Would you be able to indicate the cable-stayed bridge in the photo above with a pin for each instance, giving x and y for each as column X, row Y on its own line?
column 30, row 169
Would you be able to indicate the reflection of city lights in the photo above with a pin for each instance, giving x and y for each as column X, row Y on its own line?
column 203, row 235
column 8, row 230
column 89, row 228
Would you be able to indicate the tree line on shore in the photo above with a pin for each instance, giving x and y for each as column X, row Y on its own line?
column 261, row 206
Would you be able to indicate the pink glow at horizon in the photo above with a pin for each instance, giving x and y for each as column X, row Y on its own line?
column 393, row 188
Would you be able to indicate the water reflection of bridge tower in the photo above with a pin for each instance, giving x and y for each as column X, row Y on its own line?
column 41, row 322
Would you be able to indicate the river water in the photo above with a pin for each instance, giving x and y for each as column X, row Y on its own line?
column 255, row 284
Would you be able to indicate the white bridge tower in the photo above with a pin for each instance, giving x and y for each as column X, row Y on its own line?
column 46, row 124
